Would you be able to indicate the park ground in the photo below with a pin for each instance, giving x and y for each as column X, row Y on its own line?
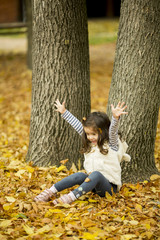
column 133, row 213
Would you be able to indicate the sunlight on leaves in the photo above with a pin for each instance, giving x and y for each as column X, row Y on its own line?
column 133, row 213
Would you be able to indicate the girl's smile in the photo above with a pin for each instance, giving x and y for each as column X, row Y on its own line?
column 92, row 135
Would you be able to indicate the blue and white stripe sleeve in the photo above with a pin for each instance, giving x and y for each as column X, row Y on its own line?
column 113, row 134
column 73, row 121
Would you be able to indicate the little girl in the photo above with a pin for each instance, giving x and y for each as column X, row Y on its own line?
column 103, row 152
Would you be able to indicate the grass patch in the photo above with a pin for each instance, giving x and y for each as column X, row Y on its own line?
column 102, row 31
column 13, row 32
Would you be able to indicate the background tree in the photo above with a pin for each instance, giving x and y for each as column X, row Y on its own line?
column 60, row 70
column 28, row 7
column 136, row 80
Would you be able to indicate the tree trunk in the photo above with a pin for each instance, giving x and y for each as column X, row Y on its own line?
column 136, row 80
column 60, row 70
column 28, row 5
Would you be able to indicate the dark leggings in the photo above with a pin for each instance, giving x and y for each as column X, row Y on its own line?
column 95, row 182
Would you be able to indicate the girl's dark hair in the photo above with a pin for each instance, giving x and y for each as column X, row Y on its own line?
column 100, row 123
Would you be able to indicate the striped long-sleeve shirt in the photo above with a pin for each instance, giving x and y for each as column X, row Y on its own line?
column 77, row 125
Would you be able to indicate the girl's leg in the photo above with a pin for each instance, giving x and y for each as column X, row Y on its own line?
column 70, row 181
column 95, row 181
column 74, row 179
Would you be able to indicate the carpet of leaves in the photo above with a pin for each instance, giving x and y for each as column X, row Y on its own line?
column 133, row 213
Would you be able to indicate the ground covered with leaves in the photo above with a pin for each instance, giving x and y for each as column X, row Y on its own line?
column 133, row 213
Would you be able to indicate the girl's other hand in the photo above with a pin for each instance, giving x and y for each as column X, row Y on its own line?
column 118, row 110
column 60, row 107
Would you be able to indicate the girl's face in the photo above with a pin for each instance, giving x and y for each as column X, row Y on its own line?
column 92, row 135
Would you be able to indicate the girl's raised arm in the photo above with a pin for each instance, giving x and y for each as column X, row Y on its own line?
column 113, row 130
column 118, row 110
column 69, row 117
column 60, row 107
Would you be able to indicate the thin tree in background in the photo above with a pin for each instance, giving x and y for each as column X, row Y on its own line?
column 28, row 9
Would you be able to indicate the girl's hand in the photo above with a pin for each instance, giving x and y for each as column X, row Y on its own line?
column 60, row 107
column 118, row 110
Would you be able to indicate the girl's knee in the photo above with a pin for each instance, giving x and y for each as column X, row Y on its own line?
column 95, row 174
column 79, row 176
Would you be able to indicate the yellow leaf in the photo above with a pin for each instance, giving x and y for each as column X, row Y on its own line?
column 1, row 99
column 128, row 236
column 87, row 179
column 92, row 200
column 146, row 234
column 8, row 174
column 108, row 196
column 131, row 216
column 73, row 168
column 28, row 230
column 145, row 181
column 15, row 164
column 43, row 229
column 5, row 223
column 149, row 234
column 30, row 169
column 61, row 168
column 10, row 199
column 8, row 206
column 3, row 237
column 148, row 226
column 34, row 205
column 138, row 207
column 87, row 235
column 134, row 222
column 19, row 173
column 66, row 219
column 55, row 210
column 7, row 155
column 64, row 161
column 1, row 165
column 154, row 177
column 49, row 177
column 153, row 189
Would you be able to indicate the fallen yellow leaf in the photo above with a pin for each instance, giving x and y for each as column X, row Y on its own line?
column 138, row 207
column 154, row 177
column 30, row 169
column 64, row 161
column 61, row 168
column 28, row 230
column 5, row 223
column 10, row 199
column 87, row 179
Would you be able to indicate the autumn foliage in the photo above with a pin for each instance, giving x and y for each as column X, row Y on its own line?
column 133, row 213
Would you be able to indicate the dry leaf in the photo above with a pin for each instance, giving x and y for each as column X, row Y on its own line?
column 64, row 161
column 87, row 179
column 130, row 214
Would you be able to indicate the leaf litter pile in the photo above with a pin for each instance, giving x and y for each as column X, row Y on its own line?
column 133, row 213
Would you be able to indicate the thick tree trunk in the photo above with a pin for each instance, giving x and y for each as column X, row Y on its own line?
column 136, row 80
column 60, row 70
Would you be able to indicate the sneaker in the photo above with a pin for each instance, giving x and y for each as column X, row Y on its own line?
column 44, row 196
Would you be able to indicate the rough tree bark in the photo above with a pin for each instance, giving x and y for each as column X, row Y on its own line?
column 136, row 80
column 60, row 70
